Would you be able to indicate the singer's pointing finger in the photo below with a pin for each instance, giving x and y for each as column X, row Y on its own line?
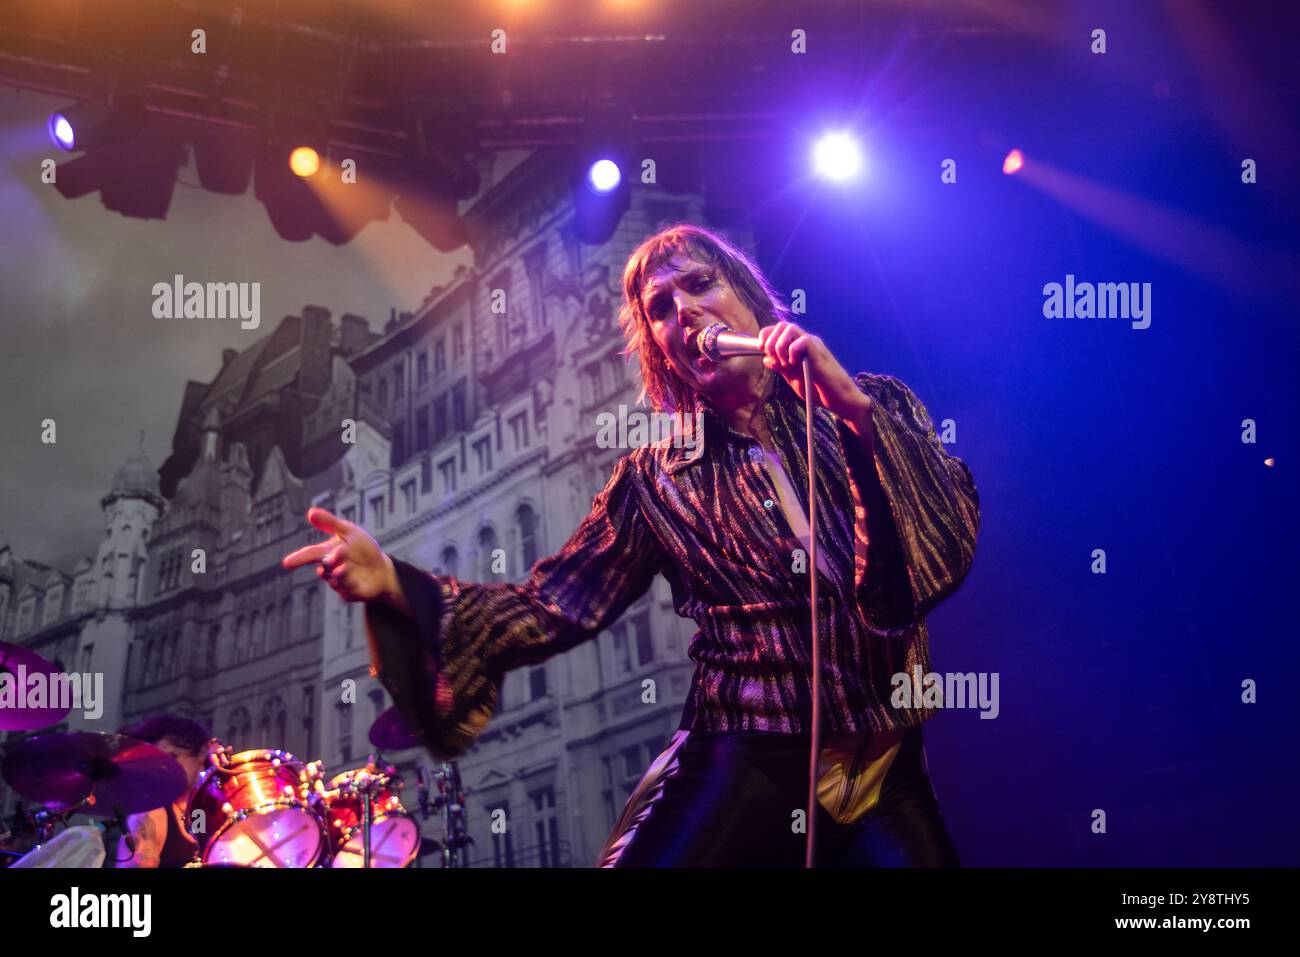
column 309, row 553
column 328, row 522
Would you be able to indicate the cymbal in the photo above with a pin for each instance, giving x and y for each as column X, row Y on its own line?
column 103, row 772
column 20, row 663
column 390, row 732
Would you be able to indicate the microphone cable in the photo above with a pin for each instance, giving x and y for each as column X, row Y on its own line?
column 717, row 341
column 814, row 757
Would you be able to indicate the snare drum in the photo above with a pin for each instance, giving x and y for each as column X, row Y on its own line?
column 260, row 810
column 394, row 835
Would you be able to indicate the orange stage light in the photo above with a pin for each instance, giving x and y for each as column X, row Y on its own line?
column 304, row 161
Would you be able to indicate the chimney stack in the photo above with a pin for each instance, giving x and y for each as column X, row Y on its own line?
column 314, row 369
column 354, row 334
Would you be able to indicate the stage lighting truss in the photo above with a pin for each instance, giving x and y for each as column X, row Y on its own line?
column 434, row 155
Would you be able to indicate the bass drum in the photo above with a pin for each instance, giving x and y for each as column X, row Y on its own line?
column 259, row 810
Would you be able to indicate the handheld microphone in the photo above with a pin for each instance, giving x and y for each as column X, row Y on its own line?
column 719, row 342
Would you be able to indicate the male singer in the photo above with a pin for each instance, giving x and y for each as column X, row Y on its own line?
column 897, row 519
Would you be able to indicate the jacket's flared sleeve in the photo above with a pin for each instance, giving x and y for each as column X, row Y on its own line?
column 916, row 505
column 444, row 665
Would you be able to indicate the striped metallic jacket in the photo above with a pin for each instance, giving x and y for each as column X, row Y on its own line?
column 896, row 526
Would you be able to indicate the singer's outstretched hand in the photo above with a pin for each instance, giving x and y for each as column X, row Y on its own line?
column 785, row 345
column 350, row 562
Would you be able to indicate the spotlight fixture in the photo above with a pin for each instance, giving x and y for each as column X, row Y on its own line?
column 606, row 149
column 135, row 178
column 603, row 176
column 91, row 124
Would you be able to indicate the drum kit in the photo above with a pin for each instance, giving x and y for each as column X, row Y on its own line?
column 254, row 808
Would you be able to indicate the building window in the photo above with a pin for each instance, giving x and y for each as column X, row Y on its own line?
column 272, row 628
column 343, row 722
column 487, row 544
column 519, row 430
column 53, row 604
column 308, row 719
column 537, row 682
column 25, row 611
column 408, row 496
column 503, row 850
column 440, row 356
column 315, row 612
column 350, row 513
column 632, row 767
column 607, row 793
column 399, row 381
column 439, row 418
column 483, row 454
column 526, row 522
column 546, row 827
column 622, row 657
column 450, row 560
column 426, row 475
column 640, row 638
column 383, row 392
column 422, row 369
column 534, row 264
column 633, row 645
column 595, row 383
column 458, row 342
column 421, row 429
column 377, row 511
column 447, row 469
column 399, row 443
column 458, row 417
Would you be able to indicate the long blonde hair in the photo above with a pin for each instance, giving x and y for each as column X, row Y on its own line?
column 659, row 384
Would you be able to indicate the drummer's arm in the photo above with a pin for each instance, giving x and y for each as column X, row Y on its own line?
column 148, row 830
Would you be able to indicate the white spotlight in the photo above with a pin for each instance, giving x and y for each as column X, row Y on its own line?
column 837, row 157
column 603, row 175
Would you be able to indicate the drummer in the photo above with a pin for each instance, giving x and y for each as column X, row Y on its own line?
column 161, row 837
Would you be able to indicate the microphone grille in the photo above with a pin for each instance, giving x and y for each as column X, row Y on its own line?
column 706, row 339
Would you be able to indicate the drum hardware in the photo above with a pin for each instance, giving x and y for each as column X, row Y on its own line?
column 26, row 831
column 450, row 802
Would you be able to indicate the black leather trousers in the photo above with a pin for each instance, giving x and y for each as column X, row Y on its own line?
column 730, row 799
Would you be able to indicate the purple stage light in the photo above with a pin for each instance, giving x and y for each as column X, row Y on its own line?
column 61, row 131
column 837, row 157
column 603, row 176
